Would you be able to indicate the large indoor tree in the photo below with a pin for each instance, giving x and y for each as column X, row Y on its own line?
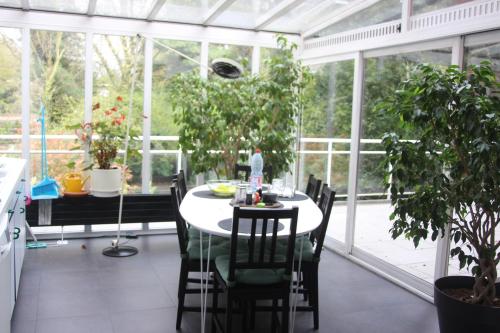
column 449, row 176
column 220, row 118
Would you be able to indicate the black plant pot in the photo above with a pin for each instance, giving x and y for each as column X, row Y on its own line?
column 459, row 317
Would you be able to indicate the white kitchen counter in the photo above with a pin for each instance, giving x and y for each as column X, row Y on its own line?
column 12, row 235
column 11, row 172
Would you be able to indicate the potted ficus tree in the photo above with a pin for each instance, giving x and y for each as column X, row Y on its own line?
column 102, row 138
column 219, row 118
column 449, row 178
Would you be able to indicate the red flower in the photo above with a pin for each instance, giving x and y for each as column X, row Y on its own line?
column 107, row 112
column 114, row 108
column 96, row 106
column 119, row 99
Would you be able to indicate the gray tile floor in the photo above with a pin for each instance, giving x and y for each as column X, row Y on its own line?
column 72, row 289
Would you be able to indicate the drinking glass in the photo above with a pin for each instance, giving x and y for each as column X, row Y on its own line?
column 277, row 186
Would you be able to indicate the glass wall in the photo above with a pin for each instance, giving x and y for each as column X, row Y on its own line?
column 114, row 58
column 382, row 76
column 380, row 12
column 10, row 92
column 474, row 54
column 57, row 80
column 326, row 129
column 424, row 6
column 166, row 64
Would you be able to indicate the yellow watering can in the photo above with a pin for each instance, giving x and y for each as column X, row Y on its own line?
column 73, row 182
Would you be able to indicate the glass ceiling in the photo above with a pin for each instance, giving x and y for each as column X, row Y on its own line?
column 291, row 16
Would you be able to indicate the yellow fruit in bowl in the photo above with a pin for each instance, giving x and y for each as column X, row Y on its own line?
column 225, row 190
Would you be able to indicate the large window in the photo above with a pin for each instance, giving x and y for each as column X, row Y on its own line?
column 57, row 81
column 474, row 54
column 326, row 127
column 10, row 92
column 424, row 6
column 380, row 12
column 114, row 59
column 166, row 64
column 382, row 76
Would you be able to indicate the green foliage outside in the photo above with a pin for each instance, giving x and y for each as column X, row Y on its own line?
column 452, row 168
column 227, row 116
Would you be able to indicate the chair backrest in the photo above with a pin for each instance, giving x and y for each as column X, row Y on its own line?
column 262, row 244
column 181, row 183
column 325, row 204
column 180, row 223
column 313, row 187
column 246, row 170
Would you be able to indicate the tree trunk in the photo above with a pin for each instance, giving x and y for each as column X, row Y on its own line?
column 484, row 286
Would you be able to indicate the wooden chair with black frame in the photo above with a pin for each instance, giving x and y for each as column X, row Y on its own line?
column 311, row 254
column 313, row 187
column 181, row 182
column 261, row 273
column 246, row 170
column 189, row 247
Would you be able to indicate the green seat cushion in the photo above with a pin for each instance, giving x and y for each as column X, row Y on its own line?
column 221, row 247
column 249, row 276
column 216, row 249
column 307, row 248
column 194, row 233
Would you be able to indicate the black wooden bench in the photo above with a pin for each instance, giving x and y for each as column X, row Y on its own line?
column 137, row 208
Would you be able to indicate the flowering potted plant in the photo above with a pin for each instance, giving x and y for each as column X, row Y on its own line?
column 102, row 138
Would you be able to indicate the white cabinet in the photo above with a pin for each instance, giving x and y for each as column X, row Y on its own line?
column 12, row 236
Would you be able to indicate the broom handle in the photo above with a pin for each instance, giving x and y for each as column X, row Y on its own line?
column 44, row 144
column 125, row 155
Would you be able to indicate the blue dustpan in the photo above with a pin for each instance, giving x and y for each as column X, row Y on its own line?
column 47, row 188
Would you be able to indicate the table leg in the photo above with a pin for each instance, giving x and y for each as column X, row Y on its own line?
column 296, row 293
column 204, row 288
column 201, row 284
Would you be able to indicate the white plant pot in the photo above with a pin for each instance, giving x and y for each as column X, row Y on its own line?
column 105, row 182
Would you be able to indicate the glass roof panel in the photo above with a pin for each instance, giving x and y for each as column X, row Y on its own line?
column 245, row 13
column 306, row 14
column 380, row 12
column 11, row 3
column 124, row 8
column 70, row 6
column 424, row 6
column 189, row 11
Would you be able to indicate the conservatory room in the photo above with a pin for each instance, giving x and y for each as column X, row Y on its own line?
column 249, row 166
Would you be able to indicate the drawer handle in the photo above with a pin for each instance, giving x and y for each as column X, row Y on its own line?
column 22, row 210
column 23, row 180
column 18, row 192
column 25, row 198
column 17, row 231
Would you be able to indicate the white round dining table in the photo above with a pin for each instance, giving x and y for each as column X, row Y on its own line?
column 204, row 211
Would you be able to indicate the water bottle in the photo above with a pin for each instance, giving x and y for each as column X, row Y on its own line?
column 256, row 166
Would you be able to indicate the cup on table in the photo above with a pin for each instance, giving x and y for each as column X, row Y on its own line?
column 277, row 186
column 240, row 194
column 288, row 191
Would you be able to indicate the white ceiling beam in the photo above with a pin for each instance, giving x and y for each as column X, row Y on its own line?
column 154, row 11
column 91, row 10
column 276, row 12
column 340, row 14
column 216, row 10
column 25, row 4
